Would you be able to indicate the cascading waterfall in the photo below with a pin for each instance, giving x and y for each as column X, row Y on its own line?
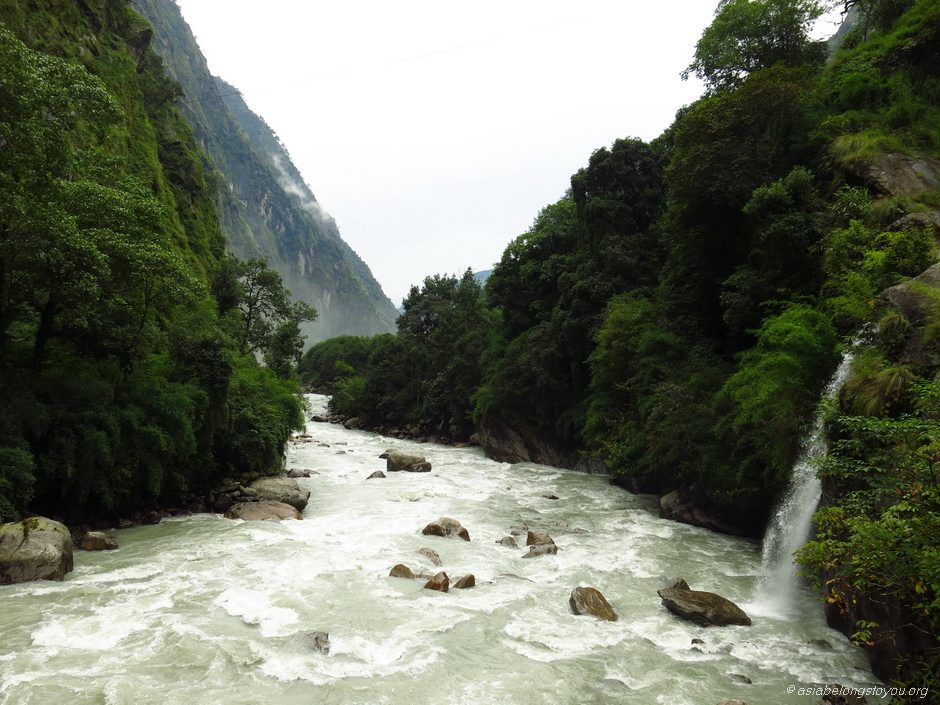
column 790, row 527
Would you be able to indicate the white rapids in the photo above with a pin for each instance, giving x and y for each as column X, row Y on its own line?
column 206, row 611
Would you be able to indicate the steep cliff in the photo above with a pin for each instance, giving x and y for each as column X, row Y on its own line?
column 267, row 209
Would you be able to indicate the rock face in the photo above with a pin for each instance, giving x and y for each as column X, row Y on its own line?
column 467, row 581
column 588, row 600
column 439, row 582
column 262, row 511
column 398, row 461
column 282, row 489
column 704, row 608
column 98, row 541
column 912, row 297
column 401, row 571
column 34, row 549
column 900, row 174
column 446, row 527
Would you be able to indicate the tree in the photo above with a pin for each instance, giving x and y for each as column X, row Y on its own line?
column 748, row 35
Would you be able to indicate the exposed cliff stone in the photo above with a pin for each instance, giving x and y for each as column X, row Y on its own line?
column 895, row 174
column 915, row 297
column 34, row 549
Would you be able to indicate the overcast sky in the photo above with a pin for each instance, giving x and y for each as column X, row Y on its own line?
column 434, row 132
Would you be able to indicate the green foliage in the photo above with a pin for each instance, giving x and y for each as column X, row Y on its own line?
column 748, row 35
column 334, row 360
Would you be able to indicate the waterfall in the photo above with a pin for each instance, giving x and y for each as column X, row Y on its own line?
column 790, row 526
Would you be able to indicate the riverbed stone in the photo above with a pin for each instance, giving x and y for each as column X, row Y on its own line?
column 538, row 538
column 282, row 489
column 431, row 555
column 740, row 678
column 508, row 542
column 98, row 541
column 704, row 608
column 36, row 548
column 262, row 511
column 678, row 584
column 588, row 600
column 467, row 581
column 377, row 475
column 319, row 641
column 398, row 461
column 542, row 549
column 447, row 528
column 299, row 472
column 439, row 582
column 401, row 571
column 734, row 702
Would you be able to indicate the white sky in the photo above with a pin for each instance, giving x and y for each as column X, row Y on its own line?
column 434, row 132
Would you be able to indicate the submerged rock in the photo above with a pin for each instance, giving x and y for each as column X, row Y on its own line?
column 508, row 541
column 377, row 475
column 282, row 489
column 34, row 549
column 588, row 600
column 319, row 641
column 401, row 571
column 98, row 541
column 543, row 549
column 398, row 461
column 703, row 608
column 262, row 511
column 446, row 527
column 740, row 678
column 439, row 582
column 431, row 555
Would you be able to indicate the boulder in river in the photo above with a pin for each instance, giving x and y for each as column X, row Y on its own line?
column 588, row 600
column 401, row 571
column 542, row 549
column 704, row 608
column 262, row 511
column 397, row 461
column 439, row 582
column 377, row 475
column 734, row 702
column 98, row 541
column 538, row 538
column 446, row 527
column 431, row 555
column 319, row 641
column 299, row 472
column 467, row 581
column 36, row 548
column 678, row 584
column 508, row 542
column 353, row 423
column 282, row 489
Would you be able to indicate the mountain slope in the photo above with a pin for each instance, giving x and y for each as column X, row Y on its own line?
column 267, row 209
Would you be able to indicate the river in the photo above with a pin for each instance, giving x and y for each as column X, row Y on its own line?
column 202, row 610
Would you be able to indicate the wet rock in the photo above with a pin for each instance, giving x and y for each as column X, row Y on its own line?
column 682, row 507
column 431, row 555
column 353, row 423
column 544, row 549
column 821, row 644
column 467, row 581
column 319, row 641
column 281, row 489
column 734, row 702
column 384, row 455
column 704, row 608
column 398, row 461
column 222, row 504
column 738, row 678
column 299, row 472
column 98, row 541
column 377, row 475
column 508, row 542
column 679, row 584
column 262, row 511
column 401, row 571
column 551, row 496
column 588, row 600
column 439, row 582
column 538, row 538
column 34, row 549
column 446, row 527
column 152, row 517
column 518, row 529
column 698, row 641
column 316, row 418
column 836, row 694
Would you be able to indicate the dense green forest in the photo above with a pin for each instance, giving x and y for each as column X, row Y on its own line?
column 676, row 314
column 129, row 343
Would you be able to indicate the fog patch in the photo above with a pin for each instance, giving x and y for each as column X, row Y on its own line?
column 300, row 190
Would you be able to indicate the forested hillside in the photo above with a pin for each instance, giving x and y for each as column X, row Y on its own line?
column 676, row 314
column 266, row 208
column 128, row 340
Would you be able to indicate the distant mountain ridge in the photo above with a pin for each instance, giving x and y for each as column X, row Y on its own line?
column 267, row 209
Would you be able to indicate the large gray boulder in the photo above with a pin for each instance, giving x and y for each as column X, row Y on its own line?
column 704, row 608
column 915, row 297
column 446, row 528
column 98, row 541
column 262, row 511
column 282, row 489
column 588, row 600
column 34, row 549
column 398, row 461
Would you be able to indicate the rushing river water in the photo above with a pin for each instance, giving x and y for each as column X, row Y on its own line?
column 207, row 611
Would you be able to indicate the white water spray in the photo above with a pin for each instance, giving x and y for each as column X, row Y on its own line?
column 791, row 524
